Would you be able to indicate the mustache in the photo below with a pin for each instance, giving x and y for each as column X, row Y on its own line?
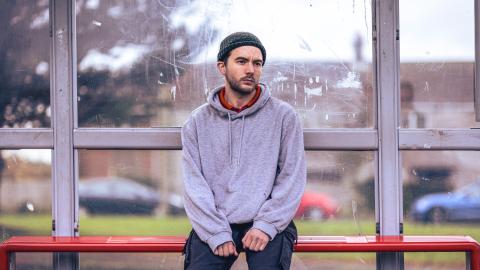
column 248, row 78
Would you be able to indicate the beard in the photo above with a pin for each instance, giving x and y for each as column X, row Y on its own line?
column 237, row 87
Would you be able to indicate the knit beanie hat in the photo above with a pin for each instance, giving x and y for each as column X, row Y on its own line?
column 239, row 39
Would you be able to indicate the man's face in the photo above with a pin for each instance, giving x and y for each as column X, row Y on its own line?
column 242, row 69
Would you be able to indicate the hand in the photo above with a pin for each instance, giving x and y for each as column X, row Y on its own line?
column 226, row 249
column 255, row 240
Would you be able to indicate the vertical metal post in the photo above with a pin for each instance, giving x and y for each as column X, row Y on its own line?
column 468, row 263
column 386, row 40
column 477, row 62
column 62, row 16
column 12, row 257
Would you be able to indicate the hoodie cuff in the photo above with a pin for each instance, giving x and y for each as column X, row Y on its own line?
column 265, row 227
column 218, row 239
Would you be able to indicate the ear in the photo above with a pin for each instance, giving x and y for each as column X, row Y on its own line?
column 221, row 67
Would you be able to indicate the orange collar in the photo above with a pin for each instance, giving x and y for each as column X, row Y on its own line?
column 229, row 106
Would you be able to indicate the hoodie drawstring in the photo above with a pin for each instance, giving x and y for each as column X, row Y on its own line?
column 241, row 141
column 230, row 143
column 230, row 136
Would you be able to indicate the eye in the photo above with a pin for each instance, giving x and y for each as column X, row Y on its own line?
column 241, row 62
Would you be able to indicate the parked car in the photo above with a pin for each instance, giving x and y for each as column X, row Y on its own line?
column 460, row 205
column 316, row 206
column 112, row 195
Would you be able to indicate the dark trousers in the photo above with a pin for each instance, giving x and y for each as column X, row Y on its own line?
column 277, row 255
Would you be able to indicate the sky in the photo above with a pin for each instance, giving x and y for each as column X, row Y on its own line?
column 430, row 30
column 316, row 30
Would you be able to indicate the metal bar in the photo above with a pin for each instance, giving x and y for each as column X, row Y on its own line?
column 387, row 84
column 76, row 177
column 440, row 139
column 62, row 161
column 20, row 138
column 468, row 263
column 477, row 62
column 12, row 257
column 340, row 139
column 169, row 139
column 62, row 16
column 315, row 139
column 387, row 78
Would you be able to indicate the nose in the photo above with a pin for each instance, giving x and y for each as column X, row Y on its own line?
column 250, row 68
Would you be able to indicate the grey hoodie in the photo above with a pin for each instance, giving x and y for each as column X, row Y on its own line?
column 242, row 167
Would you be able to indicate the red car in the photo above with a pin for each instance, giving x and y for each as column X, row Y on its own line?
column 316, row 206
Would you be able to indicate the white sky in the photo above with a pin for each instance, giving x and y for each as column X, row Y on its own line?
column 431, row 30
column 318, row 30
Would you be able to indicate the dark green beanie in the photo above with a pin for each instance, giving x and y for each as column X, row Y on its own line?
column 239, row 39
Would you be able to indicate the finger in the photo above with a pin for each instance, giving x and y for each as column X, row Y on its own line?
column 231, row 249
column 260, row 245
column 253, row 243
column 234, row 250
column 247, row 240
column 220, row 250
column 225, row 250
column 216, row 251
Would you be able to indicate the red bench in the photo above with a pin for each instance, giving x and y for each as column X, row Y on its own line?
column 305, row 244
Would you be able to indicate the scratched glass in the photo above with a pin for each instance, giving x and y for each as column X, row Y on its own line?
column 130, row 192
column 441, row 195
column 33, row 261
column 147, row 261
column 437, row 55
column 24, row 64
column 25, row 192
column 150, row 63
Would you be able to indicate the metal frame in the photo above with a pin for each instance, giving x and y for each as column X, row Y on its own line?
column 315, row 139
column 387, row 62
column 477, row 61
column 169, row 139
column 63, row 64
column 65, row 137
column 18, row 138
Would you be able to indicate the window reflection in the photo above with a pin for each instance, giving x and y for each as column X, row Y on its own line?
column 141, row 193
column 437, row 64
column 150, row 63
column 441, row 195
column 25, row 189
column 24, row 64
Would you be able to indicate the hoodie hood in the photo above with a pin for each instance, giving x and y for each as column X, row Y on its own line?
column 214, row 100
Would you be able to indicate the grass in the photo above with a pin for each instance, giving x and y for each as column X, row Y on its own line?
column 144, row 225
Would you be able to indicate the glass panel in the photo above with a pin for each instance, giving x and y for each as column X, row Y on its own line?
column 140, row 193
column 150, row 63
column 437, row 55
column 25, row 193
column 24, row 64
column 441, row 193
column 143, row 261
column 435, row 260
column 337, row 261
column 33, row 261
column 300, row 261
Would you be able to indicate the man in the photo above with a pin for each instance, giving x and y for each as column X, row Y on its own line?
column 244, row 167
